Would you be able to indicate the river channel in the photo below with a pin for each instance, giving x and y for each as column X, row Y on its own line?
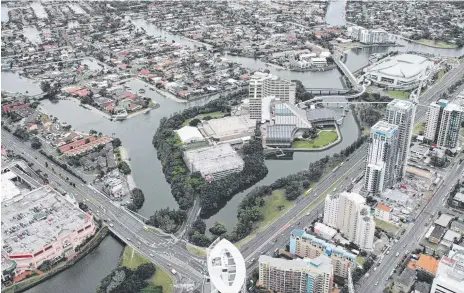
column 136, row 135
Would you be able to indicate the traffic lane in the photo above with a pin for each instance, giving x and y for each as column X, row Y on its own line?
column 289, row 217
column 323, row 186
column 130, row 225
column 411, row 238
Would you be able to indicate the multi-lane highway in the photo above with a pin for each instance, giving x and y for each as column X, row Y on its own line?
column 168, row 251
column 410, row 240
column 266, row 241
column 163, row 249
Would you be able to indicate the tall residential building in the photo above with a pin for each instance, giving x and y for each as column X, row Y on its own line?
column 432, row 124
column 450, row 125
column 381, row 157
column 226, row 267
column 307, row 245
column 265, row 85
column 296, row 276
column 365, row 230
column 349, row 213
column 450, row 274
column 400, row 113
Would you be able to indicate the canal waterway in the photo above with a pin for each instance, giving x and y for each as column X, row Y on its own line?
column 136, row 135
column 85, row 276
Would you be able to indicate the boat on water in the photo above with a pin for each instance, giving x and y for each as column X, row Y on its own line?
column 120, row 115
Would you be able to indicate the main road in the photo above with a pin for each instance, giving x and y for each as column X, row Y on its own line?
column 169, row 251
column 162, row 249
column 277, row 235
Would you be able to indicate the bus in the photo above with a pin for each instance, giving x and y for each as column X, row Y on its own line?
column 308, row 191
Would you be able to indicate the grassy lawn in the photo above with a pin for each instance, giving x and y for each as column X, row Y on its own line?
column 367, row 130
column 361, row 260
column 196, row 250
column 437, row 44
column 309, row 208
column 161, row 278
column 323, row 138
column 386, row 226
column 274, row 207
column 441, row 73
column 418, row 128
column 398, row 94
column 201, row 116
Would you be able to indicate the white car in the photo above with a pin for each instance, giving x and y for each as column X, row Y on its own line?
column 111, row 225
column 151, row 254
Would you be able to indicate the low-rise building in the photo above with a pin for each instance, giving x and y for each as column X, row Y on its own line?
column 214, row 162
column 191, row 137
column 39, row 225
column 444, row 220
column 437, row 233
column 427, row 263
column 324, row 231
column 405, row 281
column 382, row 212
column 229, row 128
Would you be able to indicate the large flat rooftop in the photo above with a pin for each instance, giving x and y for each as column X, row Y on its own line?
column 213, row 159
column 31, row 220
column 227, row 126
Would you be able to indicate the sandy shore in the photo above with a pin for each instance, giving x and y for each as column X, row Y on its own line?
column 125, row 158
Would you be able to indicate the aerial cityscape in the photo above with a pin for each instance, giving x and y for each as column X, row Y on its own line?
column 232, row 146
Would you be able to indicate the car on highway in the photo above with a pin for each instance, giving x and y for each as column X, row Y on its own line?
column 151, row 254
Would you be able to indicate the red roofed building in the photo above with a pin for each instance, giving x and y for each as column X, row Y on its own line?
column 382, row 212
column 144, row 72
column 76, row 144
column 79, row 92
column 94, row 143
column 13, row 107
column 129, row 95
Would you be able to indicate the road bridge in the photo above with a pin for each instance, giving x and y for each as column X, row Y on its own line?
column 165, row 250
column 353, row 80
column 327, row 91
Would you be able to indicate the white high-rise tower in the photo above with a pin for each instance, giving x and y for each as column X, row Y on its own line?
column 381, row 157
column 400, row 113
column 264, row 85
column 349, row 213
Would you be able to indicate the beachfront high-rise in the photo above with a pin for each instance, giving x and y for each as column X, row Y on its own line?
column 432, row 125
column 450, row 125
column 296, row 276
column 348, row 212
column 400, row 113
column 381, row 157
column 264, row 85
